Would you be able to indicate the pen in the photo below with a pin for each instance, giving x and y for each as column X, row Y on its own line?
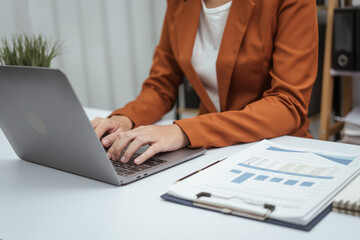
column 189, row 175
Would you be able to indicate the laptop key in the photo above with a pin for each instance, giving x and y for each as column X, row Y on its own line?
column 129, row 168
column 123, row 172
column 138, row 168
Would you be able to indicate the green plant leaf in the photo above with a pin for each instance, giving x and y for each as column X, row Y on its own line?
column 34, row 50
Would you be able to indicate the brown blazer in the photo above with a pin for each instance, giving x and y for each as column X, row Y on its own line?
column 266, row 67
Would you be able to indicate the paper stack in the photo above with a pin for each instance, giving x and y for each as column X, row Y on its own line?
column 351, row 130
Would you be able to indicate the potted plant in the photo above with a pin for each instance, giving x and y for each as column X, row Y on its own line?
column 24, row 50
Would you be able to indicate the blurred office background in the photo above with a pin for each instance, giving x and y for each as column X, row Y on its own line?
column 109, row 43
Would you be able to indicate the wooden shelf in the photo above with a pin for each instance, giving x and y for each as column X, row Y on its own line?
column 321, row 7
column 327, row 126
column 340, row 73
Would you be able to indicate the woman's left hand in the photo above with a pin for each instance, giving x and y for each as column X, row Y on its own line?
column 160, row 138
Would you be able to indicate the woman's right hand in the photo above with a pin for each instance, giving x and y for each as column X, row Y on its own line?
column 108, row 129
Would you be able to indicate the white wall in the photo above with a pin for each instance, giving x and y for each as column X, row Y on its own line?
column 109, row 43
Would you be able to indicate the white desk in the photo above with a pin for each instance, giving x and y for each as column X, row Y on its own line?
column 37, row 202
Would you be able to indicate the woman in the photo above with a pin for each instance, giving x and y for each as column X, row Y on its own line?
column 251, row 62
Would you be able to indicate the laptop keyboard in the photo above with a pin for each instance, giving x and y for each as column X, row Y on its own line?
column 129, row 168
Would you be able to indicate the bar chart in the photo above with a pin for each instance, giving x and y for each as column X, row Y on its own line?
column 245, row 176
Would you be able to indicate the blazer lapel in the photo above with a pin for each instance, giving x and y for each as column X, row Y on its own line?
column 186, row 25
column 238, row 19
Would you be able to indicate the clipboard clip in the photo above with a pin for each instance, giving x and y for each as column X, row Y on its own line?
column 234, row 205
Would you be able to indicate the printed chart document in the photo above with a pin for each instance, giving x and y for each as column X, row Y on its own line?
column 269, row 180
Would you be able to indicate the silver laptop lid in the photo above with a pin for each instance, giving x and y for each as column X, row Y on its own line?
column 46, row 124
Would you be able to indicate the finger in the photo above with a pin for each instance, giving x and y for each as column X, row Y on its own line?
column 150, row 152
column 138, row 142
column 96, row 121
column 110, row 138
column 104, row 126
column 119, row 145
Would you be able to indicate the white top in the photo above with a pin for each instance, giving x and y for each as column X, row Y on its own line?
column 206, row 47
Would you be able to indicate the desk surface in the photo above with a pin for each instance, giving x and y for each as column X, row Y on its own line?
column 37, row 202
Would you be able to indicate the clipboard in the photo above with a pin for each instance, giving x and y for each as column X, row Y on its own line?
column 301, row 195
column 307, row 227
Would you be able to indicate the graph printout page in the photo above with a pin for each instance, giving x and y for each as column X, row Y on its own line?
column 299, row 182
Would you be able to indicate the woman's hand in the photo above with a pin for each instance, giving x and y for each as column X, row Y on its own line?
column 108, row 129
column 160, row 138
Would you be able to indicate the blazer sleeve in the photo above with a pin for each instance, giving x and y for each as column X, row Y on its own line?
column 283, row 107
column 159, row 91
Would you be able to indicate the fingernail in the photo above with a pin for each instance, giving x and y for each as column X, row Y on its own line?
column 137, row 161
column 113, row 157
column 123, row 159
column 106, row 141
column 108, row 155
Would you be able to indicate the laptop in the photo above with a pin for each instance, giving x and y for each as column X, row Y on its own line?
column 45, row 124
